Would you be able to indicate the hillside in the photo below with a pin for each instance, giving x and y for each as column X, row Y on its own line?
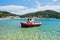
column 5, row 14
column 43, row 14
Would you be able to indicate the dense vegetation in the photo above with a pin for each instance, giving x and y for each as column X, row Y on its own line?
column 43, row 14
column 5, row 14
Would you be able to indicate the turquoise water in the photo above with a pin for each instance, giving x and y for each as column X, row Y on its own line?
column 11, row 30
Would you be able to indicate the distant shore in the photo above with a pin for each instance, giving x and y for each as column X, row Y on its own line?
column 23, row 18
column 8, row 18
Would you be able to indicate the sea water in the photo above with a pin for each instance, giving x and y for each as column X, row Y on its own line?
column 11, row 30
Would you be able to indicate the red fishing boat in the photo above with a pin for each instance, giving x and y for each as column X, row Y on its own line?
column 30, row 25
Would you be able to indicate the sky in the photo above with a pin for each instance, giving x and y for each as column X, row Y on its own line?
column 21, row 7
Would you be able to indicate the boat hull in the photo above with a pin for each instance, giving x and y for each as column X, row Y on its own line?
column 29, row 25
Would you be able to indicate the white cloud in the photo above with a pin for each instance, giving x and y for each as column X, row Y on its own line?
column 23, row 10
column 29, row 10
column 51, row 7
column 38, row 3
column 55, row 0
column 41, row 8
column 12, row 7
